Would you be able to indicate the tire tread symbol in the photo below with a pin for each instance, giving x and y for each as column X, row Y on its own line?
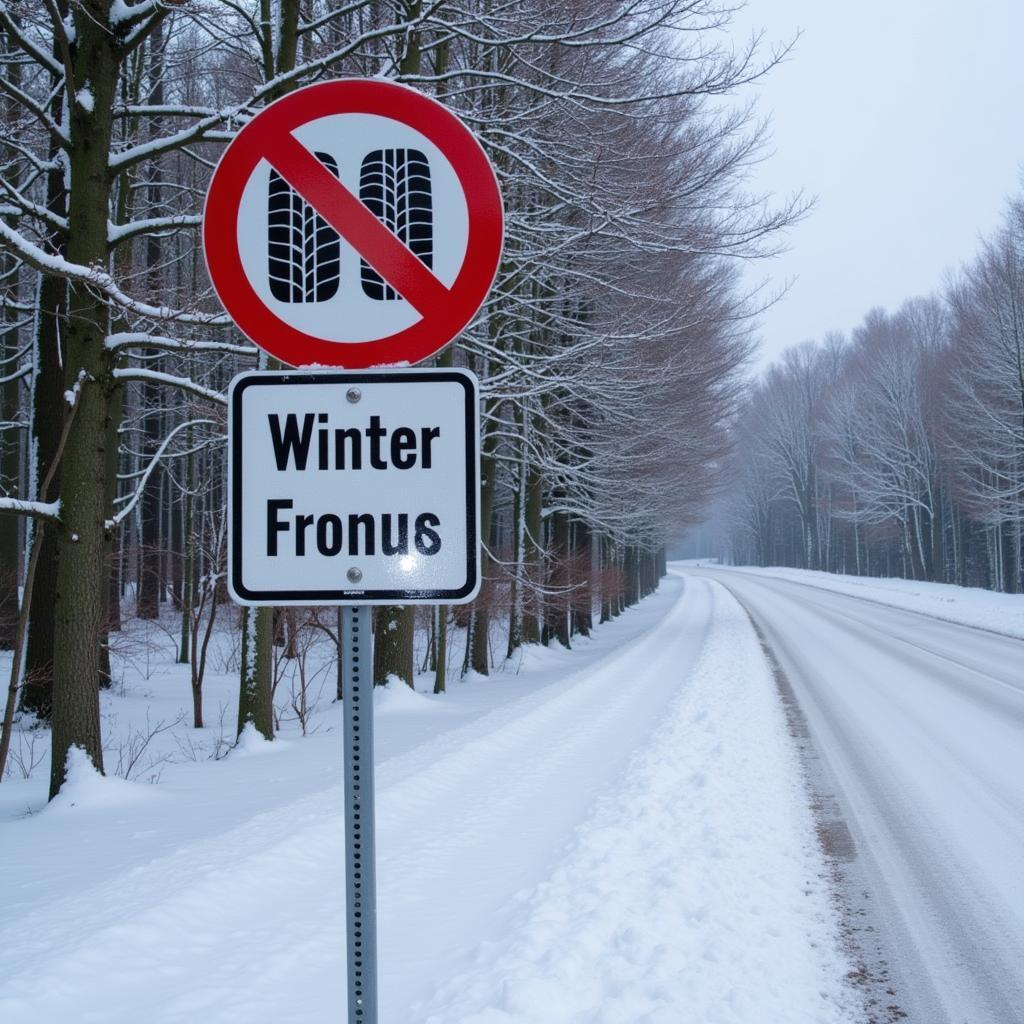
column 303, row 250
column 394, row 184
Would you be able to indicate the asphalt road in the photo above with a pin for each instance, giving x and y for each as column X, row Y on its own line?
column 916, row 733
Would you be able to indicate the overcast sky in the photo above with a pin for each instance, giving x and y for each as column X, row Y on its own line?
column 905, row 118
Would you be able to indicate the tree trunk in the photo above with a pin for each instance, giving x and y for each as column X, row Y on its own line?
column 631, row 568
column 583, row 598
column 148, row 604
column 604, row 554
column 81, row 580
column 393, row 643
column 188, row 543
column 255, row 697
column 562, row 612
column 480, row 659
column 515, row 602
column 441, row 649
column 48, row 410
column 10, row 466
column 533, row 573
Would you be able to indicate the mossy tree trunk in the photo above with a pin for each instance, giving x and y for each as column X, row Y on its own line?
column 255, row 692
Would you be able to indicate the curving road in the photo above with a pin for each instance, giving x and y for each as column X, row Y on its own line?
column 917, row 736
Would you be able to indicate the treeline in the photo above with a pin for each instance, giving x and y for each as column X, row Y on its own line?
column 900, row 450
column 608, row 351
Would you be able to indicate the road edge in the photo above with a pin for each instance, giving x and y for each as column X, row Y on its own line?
column 870, row 978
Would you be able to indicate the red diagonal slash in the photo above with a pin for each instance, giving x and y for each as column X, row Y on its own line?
column 404, row 271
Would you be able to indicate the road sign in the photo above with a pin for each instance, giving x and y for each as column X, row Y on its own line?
column 353, row 488
column 354, row 223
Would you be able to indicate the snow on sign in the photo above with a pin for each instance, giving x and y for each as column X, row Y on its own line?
column 354, row 223
column 353, row 488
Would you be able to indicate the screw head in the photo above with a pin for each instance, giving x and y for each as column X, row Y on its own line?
column 353, row 395
column 354, row 574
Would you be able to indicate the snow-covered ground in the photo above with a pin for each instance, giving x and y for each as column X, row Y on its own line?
column 970, row 606
column 918, row 725
column 615, row 834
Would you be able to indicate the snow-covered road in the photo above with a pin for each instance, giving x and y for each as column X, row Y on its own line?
column 920, row 727
column 618, row 835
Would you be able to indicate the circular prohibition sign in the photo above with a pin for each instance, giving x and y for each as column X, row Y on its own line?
column 444, row 311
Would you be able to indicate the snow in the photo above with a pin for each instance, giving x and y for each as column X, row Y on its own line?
column 396, row 697
column 918, row 732
column 85, row 789
column 42, row 509
column 692, row 878
column 170, row 379
column 617, row 833
column 120, row 11
column 85, row 99
column 72, row 394
column 143, row 339
column 252, row 743
column 969, row 606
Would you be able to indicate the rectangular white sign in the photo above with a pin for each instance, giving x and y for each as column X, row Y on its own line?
column 353, row 487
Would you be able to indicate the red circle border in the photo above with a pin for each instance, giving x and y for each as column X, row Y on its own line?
column 353, row 96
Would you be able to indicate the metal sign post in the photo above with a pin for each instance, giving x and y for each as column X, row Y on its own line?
column 360, row 849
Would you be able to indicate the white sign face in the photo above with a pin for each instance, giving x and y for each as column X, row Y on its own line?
column 333, row 295
column 353, row 488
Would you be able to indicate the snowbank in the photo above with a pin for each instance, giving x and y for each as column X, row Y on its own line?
column 396, row 696
column 696, row 890
column 969, row 606
column 85, row 789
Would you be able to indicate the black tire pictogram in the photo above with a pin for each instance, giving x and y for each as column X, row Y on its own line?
column 395, row 186
column 303, row 250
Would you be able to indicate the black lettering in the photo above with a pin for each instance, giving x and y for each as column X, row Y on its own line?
column 274, row 524
column 387, row 545
column 403, row 440
column 427, row 436
column 375, row 432
column 324, row 544
column 365, row 521
column 323, row 439
column 355, row 438
column 427, row 540
column 302, row 523
column 290, row 443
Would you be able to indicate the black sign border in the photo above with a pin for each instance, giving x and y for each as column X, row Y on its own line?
column 352, row 596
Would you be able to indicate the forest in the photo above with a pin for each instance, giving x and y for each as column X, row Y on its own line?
column 897, row 451
column 611, row 351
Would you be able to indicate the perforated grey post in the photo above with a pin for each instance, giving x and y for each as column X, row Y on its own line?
column 360, row 849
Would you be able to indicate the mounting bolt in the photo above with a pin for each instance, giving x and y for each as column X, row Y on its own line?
column 354, row 574
column 353, row 395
